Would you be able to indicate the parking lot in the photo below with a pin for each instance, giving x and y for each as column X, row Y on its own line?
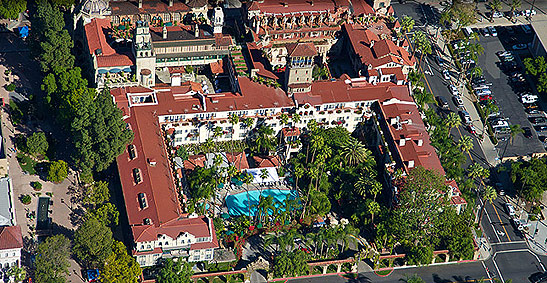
column 505, row 92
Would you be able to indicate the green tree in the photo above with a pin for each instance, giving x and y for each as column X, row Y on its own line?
column 52, row 260
column 264, row 141
column 120, row 267
column 290, row 264
column 422, row 43
column 354, row 152
column 106, row 213
column 58, row 171
column 422, row 97
column 99, row 132
column 494, row 6
column 92, row 243
column 17, row 273
column 420, row 255
column 542, row 83
column 465, row 144
column 10, row 9
column 407, row 24
column 515, row 4
column 535, row 65
column 37, row 143
column 529, row 178
column 453, row 121
column 97, row 194
column 515, row 130
column 178, row 271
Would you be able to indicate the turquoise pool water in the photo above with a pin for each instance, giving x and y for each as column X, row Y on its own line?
column 245, row 203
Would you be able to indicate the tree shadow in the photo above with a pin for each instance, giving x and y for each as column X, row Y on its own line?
column 438, row 279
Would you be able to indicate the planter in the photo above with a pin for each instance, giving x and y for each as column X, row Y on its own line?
column 347, row 110
column 321, row 112
column 338, row 111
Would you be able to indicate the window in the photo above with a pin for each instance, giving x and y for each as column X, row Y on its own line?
column 132, row 151
column 208, row 257
column 196, row 257
column 137, row 175
column 142, row 200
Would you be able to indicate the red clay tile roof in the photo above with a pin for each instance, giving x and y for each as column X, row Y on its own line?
column 397, row 71
column 116, row 60
column 194, row 161
column 266, row 161
column 11, row 237
column 154, row 251
column 293, row 6
column 223, row 40
column 255, row 54
column 291, row 132
column 148, row 7
column 301, row 49
column 96, row 39
column 198, row 226
column 238, row 159
column 217, row 67
column 361, row 7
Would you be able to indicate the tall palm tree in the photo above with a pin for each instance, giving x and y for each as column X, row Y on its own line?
column 465, row 144
column 264, row 142
column 495, row 6
column 407, row 24
column 515, row 130
column 422, row 97
column 476, row 171
column 422, row 43
column 453, row 121
column 298, row 173
column 234, row 120
column 488, row 194
column 361, row 186
column 515, row 4
column 354, row 152
column 264, row 174
column 373, row 208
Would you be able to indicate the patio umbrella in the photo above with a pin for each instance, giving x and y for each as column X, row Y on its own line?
column 115, row 70
column 127, row 69
column 102, row 71
column 225, row 215
column 220, row 186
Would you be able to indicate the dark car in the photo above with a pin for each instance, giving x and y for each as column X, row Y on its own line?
column 442, row 102
column 540, row 128
column 527, row 132
column 537, row 120
column 538, row 277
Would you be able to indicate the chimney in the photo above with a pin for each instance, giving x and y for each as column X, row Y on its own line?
column 411, row 164
column 371, row 43
column 140, row 4
column 311, row 2
column 420, row 142
column 164, row 32
column 170, row 3
column 196, row 31
column 402, row 142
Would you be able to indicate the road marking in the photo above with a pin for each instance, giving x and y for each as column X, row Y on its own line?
column 496, row 266
column 514, row 251
column 490, row 220
column 502, row 226
column 506, row 243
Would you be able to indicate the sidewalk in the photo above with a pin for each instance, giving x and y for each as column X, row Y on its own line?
column 488, row 149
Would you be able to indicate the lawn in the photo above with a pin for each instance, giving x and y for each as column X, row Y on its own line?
column 26, row 163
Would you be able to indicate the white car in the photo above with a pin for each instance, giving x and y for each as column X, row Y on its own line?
column 529, row 96
column 454, row 90
column 484, row 91
column 510, row 209
column 457, row 100
column 529, row 13
column 446, row 74
column 492, row 31
column 497, row 14
column 527, row 99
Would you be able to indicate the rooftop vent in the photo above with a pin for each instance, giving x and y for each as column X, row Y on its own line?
column 98, row 51
column 147, row 221
column 152, row 161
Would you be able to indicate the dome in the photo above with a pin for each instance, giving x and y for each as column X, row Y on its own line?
column 96, row 7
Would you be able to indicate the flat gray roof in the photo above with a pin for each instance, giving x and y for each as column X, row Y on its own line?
column 7, row 211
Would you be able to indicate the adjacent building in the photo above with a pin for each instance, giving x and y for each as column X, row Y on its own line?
column 11, row 244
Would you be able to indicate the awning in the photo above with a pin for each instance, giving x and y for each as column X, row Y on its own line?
column 103, row 71
column 127, row 69
column 115, row 70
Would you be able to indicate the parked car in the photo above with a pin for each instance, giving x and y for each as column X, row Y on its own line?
column 492, row 31
column 453, row 89
column 540, row 128
column 519, row 46
column 482, row 86
column 528, row 99
column 529, row 13
column 527, row 132
column 503, row 53
column 446, row 74
column 517, row 224
column 442, row 102
column 534, row 112
column 538, row 277
column 485, row 32
column 471, row 129
column 510, row 209
column 537, row 120
column 457, row 100
column 440, row 61
column 465, row 117
column 485, row 97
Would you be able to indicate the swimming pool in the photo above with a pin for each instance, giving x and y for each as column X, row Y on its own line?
column 245, row 203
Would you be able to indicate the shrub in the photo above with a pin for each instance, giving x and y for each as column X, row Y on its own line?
column 10, row 87
column 58, row 171
column 37, row 186
column 25, row 199
column 37, row 143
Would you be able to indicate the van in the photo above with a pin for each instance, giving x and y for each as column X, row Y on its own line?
column 442, row 102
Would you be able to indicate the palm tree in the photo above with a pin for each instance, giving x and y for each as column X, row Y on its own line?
column 264, row 174
column 298, row 173
column 422, row 97
column 296, row 118
column 373, row 208
column 284, row 121
column 453, row 121
column 422, row 43
column 515, row 130
column 495, row 6
column 354, row 152
column 476, row 171
column 488, row 194
column 465, row 144
column 515, row 4
column 361, row 186
column 375, row 189
column 234, row 120
column 407, row 24
column 264, row 142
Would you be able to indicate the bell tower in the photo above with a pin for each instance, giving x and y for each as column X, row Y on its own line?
column 144, row 55
column 300, row 63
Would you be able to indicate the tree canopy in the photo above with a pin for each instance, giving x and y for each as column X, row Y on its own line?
column 92, row 243
column 175, row 271
column 10, row 9
column 529, row 178
column 58, row 171
column 52, row 260
column 119, row 266
column 37, row 143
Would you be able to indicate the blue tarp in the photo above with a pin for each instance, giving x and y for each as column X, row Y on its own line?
column 92, row 275
column 23, row 31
